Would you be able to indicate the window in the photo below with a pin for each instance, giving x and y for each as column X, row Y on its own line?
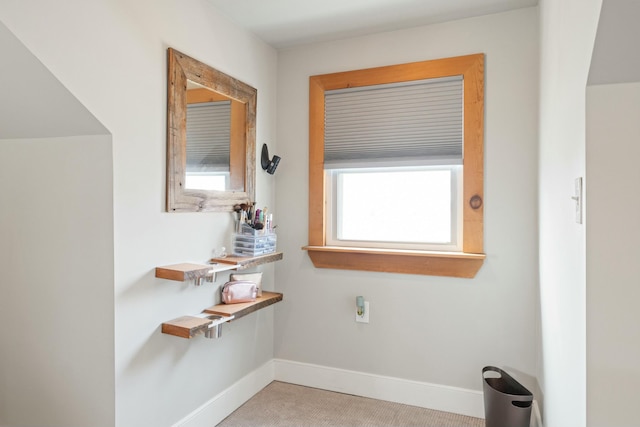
column 396, row 168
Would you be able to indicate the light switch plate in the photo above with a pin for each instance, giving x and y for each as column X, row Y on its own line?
column 578, row 199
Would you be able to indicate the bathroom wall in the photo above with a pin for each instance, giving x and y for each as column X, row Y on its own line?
column 56, row 251
column 430, row 329
column 113, row 60
column 612, row 105
column 613, row 339
column 568, row 31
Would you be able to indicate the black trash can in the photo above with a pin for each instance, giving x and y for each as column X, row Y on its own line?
column 507, row 403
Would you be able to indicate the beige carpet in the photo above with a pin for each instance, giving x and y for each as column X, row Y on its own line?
column 281, row 404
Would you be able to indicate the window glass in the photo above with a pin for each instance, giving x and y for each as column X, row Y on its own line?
column 207, row 181
column 411, row 208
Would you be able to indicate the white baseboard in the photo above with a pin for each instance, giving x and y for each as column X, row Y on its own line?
column 415, row 393
column 425, row 395
column 230, row 399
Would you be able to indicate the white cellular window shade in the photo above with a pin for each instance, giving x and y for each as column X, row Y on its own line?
column 208, row 136
column 408, row 123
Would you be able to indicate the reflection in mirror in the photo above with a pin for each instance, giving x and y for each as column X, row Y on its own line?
column 210, row 138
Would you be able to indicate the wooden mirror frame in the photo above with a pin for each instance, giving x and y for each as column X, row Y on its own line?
column 243, row 141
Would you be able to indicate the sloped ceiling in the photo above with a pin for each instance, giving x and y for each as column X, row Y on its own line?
column 284, row 23
column 33, row 103
column 616, row 53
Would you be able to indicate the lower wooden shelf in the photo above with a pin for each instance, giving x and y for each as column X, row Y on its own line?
column 186, row 326
column 244, row 308
column 190, row 326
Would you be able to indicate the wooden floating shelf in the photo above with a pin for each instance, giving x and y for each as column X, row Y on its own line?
column 240, row 262
column 244, row 308
column 186, row 326
column 182, row 272
column 190, row 326
column 189, row 271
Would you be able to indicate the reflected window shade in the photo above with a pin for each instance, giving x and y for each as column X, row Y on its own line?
column 408, row 123
column 208, row 136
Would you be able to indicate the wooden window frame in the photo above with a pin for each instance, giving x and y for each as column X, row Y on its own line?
column 455, row 264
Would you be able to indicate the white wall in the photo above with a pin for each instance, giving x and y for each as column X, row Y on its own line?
column 613, row 232
column 431, row 329
column 56, row 252
column 567, row 36
column 613, row 102
column 113, row 60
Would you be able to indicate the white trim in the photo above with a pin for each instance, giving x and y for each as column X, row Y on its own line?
column 230, row 399
column 536, row 417
column 415, row 393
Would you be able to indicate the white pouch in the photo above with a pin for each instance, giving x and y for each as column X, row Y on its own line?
column 237, row 291
column 252, row 277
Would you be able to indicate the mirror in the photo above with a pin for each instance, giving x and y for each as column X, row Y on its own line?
column 210, row 169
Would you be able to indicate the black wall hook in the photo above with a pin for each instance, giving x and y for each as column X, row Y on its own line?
column 270, row 165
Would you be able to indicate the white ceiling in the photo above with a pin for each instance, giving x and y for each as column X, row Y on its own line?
column 284, row 23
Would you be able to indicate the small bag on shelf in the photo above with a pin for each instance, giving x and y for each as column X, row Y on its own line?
column 236, row 291
column 251, row 277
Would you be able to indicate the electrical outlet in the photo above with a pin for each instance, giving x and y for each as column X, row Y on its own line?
column 365, row 316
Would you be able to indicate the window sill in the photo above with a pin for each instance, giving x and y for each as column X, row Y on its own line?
column 452, row 264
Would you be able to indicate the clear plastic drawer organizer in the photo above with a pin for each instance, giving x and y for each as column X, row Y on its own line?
column 252, row 242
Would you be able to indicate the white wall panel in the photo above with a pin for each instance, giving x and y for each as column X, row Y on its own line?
column 613, row 271
column 567, row 36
